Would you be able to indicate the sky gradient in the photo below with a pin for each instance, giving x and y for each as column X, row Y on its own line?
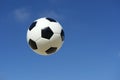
column 91, row 50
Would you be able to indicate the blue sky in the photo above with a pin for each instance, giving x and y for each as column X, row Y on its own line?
column 91, row 50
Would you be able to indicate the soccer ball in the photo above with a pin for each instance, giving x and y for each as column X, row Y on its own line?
column 45, row 36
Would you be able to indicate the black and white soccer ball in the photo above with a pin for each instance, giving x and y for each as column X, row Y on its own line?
column 45, row 36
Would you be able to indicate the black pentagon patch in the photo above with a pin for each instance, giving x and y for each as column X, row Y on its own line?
column 51, row 50
column 51, row 20
column 32, row 26
column 32, row 44
column 47, row 33
column 62, row 35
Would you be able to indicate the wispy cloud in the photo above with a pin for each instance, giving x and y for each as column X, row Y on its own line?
column 55, row 1
column 119, row 54
column 21, row 14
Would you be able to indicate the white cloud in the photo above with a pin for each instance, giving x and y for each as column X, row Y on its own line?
column 21, row 14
